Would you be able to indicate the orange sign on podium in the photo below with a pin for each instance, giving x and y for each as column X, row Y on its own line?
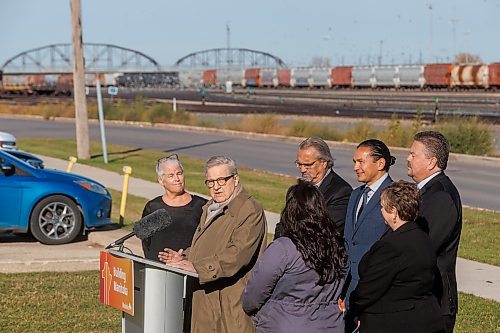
column 116, row 287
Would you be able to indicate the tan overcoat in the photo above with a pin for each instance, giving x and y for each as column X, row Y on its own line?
column 223, row 253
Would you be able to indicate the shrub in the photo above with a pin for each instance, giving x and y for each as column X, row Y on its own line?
column 301, row 128
column 361, row 132
column 467, row 135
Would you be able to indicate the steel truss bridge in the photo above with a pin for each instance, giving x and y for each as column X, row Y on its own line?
column 229, row 58
column 108, row 58
column 58, row 58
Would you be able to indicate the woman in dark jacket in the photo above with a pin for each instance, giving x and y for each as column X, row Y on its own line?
column 296, row 283
column 394, row 293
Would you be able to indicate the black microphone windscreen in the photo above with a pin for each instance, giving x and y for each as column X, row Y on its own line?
column 152, row 223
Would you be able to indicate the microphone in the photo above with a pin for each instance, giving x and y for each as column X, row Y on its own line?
column 146, row 227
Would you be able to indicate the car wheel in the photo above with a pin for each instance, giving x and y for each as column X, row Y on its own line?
column 55, row 220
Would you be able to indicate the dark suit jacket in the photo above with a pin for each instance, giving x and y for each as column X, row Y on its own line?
column 359, row 236
column 336, row 192
column 394, row 293
column 441, row 215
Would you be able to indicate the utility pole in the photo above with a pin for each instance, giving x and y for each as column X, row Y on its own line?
column 430, row 31
column 229, row 59
column 454, row 22
column 81, row 116
column 380, row 53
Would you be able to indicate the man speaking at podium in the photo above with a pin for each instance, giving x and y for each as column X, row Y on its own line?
column 225, row 247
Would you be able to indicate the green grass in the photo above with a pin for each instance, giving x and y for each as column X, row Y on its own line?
column 133, row 208
column 54, row 302
column 480, row 234
column 477, row 315
column 480, row 228
column 69, row 302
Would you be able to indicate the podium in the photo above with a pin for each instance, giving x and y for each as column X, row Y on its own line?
column 158, row 296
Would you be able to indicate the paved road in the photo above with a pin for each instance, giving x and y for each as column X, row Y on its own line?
column 477, row 179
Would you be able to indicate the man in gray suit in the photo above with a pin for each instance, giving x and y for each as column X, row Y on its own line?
column 364, row 223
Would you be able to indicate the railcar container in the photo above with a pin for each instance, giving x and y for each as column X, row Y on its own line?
column 320, row 78
column 437, row 75
column 234, row 75
column 300, row 77
column 284, row 76
column 252, row 77
column 363, row 77
column 385, row 76
column 268, row 77
column 209, row 78
column 494, row 75
column 470, row 76
column 410, row 76
column 341, row 76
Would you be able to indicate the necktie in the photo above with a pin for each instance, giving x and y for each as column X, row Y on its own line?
column 364, row 199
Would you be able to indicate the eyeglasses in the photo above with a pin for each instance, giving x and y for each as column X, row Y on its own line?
column 305, row 165
column 220, row 181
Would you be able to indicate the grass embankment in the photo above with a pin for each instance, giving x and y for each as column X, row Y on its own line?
column 480, row 228
column 69, row 302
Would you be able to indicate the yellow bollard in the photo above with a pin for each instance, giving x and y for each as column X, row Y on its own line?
column 127, row 171
column 72, row 161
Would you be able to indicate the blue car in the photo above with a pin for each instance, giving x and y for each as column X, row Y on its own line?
column 54, row 206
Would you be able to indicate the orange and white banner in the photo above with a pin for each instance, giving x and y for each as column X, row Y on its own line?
column 116, row 287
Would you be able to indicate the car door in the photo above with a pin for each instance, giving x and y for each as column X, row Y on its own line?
column 11, row 194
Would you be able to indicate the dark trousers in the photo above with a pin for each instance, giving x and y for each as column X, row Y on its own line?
column 449, row 323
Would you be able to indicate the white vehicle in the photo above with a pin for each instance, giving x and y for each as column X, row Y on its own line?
column 7, row 141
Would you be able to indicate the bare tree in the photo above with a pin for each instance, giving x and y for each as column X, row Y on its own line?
column 319, row 61
column 467, row 58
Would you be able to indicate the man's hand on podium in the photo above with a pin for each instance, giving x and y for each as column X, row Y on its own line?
column 185, row 265
column 170, row 256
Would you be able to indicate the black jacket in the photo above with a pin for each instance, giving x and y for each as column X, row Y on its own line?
column 395, row 290
column 441, row 215
column 336, row 192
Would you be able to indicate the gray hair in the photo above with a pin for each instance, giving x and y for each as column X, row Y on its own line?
column 221, row 160
column 164, row 160
column 320, row 146
column 436, row 145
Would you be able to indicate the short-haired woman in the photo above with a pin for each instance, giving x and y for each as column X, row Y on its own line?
column 296, row 284
column 394, row 293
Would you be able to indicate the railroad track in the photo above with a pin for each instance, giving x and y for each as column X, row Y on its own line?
column 368, row 104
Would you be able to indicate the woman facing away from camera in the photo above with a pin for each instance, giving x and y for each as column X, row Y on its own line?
column 296, row 284
column 394, row 293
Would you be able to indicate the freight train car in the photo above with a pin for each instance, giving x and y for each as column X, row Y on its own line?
column 469, row 76
column 341, row 77
column 437, row 75
column 320, row 78
column 409, row 76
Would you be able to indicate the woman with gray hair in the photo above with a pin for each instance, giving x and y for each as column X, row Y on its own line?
column 185, row 210
column 225, row 247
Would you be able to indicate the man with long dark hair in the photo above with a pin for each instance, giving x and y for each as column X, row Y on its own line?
column 364, row 221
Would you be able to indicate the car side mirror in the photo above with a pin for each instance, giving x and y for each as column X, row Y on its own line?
column 7, row 168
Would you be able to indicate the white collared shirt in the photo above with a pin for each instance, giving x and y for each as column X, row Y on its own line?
column 373, row 188
column 321, row 181
column 428, row 179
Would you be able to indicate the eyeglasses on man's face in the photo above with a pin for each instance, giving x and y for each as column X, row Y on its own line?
column 220, row 181
column 305, row 165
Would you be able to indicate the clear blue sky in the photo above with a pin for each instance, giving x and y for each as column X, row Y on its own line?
column 295, row 30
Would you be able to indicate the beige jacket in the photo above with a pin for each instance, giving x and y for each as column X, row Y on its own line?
column 223, row 252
